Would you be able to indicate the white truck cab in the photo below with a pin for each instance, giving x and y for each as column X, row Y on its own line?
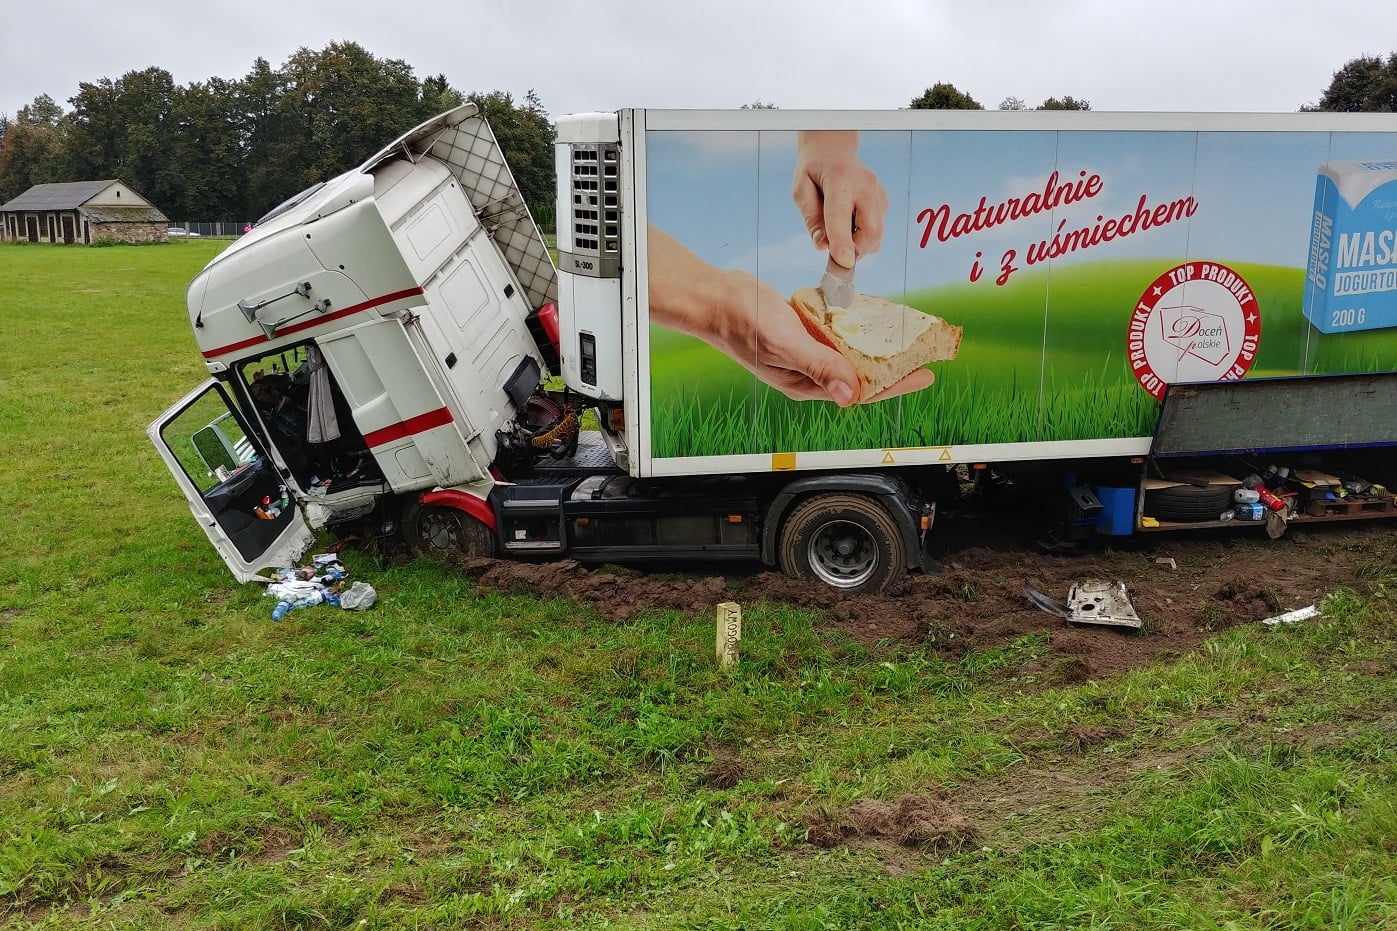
column 367, row 339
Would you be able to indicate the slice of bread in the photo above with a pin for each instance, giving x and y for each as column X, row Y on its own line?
column 884, row 341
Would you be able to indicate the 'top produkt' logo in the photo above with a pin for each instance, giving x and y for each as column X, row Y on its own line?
column 1199, row 321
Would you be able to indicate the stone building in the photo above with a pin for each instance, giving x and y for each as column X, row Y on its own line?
column 81, row 211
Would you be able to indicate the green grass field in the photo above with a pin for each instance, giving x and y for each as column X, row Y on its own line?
column 171, row 759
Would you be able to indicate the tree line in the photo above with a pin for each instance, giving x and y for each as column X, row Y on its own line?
column 236, row 148
column 1367, row 84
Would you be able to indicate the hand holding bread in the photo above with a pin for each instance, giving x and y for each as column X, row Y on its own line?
column 886, row 343
column 746, row 319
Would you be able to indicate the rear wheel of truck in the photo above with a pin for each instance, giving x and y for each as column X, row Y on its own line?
column 847, row 541
column 445, row 532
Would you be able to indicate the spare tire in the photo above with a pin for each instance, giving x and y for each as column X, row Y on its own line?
column 1189, row 503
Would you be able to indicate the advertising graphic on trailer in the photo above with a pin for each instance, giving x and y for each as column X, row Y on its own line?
column 999, row 286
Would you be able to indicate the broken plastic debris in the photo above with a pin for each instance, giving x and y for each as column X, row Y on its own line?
column 1044, row 602
column 1090, row 603
column 1101, row 603
column 358, row 597
column 1293, row 617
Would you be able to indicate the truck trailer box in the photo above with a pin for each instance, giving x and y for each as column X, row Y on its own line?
column 1089, row 260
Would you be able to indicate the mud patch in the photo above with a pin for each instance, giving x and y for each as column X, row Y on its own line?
column 615, row 597
column 1217, row 581
column 1078, row 738
column 725, row 770
column 1241, row 601
column 922, row 821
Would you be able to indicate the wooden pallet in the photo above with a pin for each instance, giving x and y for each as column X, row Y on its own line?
column 1350, row 506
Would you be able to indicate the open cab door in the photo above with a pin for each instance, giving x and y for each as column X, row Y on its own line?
column 235, row 492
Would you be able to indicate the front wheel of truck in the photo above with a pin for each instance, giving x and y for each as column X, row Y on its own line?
column 847, row 541
column 444, row 532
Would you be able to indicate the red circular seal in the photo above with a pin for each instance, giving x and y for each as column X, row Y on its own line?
column 1198, row 321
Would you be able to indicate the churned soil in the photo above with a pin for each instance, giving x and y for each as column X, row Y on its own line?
column 1184, row 587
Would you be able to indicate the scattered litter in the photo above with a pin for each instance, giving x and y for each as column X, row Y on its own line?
column 1090, row 603
column 358, row 597
column 1166, row 561
column 1294, row 617
column 316, row 583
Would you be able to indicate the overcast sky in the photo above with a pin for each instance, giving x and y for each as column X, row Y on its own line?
column 1264, row 55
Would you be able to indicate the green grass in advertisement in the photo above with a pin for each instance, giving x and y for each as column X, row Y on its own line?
column 1042, row 359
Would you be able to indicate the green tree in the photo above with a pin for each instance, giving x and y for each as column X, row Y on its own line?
column 41, row 112
column 260, row 126
column 943, row 96
column 437, row 97
column 201, row 175
column 341, row 104
column 1066, row 102
column 1367, row 84
column 122, row 128
column 33, row 148
column 525, row 135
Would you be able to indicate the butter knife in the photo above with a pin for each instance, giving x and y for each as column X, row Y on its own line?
column 838, row 285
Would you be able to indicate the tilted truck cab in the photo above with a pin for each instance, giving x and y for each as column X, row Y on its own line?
column 368, row 335
column 1152, row 307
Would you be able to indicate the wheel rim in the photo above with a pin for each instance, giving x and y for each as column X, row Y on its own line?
column 843, row 554
column 439, row 532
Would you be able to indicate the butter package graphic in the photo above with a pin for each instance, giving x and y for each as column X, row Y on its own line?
column 1351, row 281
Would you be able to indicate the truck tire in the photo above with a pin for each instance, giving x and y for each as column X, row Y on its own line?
column 847, row 541
column 444, row 532
column 1188, row 503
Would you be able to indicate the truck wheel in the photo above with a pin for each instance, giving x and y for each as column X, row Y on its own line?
column 446, row 532
column 848, row 541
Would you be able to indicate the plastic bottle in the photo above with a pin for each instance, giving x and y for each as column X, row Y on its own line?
column 280, row 610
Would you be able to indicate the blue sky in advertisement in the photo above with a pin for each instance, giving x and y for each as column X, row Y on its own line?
column 1250, row 196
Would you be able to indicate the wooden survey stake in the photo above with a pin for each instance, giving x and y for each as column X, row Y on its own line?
column 728, row 633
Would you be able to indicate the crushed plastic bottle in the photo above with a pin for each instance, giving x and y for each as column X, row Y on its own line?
column 280, row 610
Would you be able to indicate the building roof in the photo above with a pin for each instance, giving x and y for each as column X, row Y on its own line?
column 65, row 195
column 125, row 215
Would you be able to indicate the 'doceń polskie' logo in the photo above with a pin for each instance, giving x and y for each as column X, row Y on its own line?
column 1198, row 321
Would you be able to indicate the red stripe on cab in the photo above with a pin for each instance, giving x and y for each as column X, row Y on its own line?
column 413, row 425
column 313, row 322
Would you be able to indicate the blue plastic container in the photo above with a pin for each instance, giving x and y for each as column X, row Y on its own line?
column 1117, row 517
